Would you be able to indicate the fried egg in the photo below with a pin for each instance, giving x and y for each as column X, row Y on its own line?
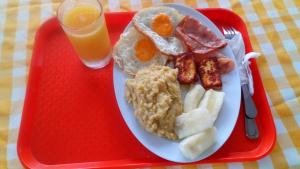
column 159, row 23
column 134, row 51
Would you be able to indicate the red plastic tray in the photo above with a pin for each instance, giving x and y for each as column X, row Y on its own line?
column 71, row 118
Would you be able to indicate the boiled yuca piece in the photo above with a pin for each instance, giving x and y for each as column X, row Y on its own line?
column 212, row 101
column 193, row 122
column 193, row 97
column 193, row 146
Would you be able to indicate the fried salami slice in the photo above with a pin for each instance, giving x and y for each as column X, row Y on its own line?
column 186, row 68
column 209, row 73
column 226, row 64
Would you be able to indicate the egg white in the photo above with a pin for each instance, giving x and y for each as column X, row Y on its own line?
column 124, row 53
column 168, row 45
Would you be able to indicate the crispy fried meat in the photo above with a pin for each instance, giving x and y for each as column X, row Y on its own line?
column 209, row 73
column 186, row 68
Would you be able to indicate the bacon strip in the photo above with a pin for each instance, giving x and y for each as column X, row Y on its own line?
column 199, row 38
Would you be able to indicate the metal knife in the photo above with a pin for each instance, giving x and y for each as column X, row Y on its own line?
column 251, row 112
column 238, row 48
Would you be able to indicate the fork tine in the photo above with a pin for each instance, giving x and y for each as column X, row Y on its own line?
column 223, row 30
column 231, row 31
column 234, row 30
column 226, row 30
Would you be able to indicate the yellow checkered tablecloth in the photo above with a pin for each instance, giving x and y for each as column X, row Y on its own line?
column 274, row 28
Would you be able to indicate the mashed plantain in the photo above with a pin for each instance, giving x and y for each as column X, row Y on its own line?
column 156, row 99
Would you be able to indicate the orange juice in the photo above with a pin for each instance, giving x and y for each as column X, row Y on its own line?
column 87, row 32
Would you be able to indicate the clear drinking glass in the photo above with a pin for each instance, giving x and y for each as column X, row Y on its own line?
column 84, row 23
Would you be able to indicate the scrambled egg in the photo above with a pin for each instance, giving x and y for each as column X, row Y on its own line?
column 156, row 99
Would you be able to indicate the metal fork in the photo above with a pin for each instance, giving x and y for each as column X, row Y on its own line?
column 250, row 108
column 229, row 32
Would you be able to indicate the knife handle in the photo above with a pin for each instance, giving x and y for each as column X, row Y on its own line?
column 250, row 107
column 251, row 128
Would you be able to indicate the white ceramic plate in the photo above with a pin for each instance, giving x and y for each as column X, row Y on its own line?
column 225, row 123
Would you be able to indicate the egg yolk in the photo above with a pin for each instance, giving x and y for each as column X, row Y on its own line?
column 145, row 50
column 162, row 25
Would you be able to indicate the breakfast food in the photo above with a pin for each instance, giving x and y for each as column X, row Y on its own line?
column 158, row 24
column 186, row 68
column 135, row 51
column 167, row 53
column 203, row 115
column 225, row 64
column 193, row 146
column 193, row 122
column 209, row 73
column 195, row 126
column 199, row 38
column 193, row 97
column 204, row 45
column 155, row 96
column 213, row 101
column 215, row 63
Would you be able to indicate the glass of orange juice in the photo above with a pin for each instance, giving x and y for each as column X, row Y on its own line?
column 84, row 23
